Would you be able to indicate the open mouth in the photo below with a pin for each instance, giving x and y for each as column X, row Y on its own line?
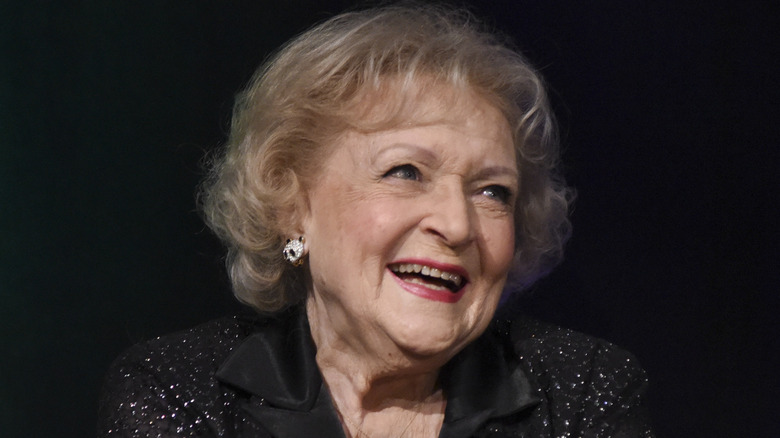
column 428, row 276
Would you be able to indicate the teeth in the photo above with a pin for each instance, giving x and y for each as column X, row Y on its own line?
column 408, row 268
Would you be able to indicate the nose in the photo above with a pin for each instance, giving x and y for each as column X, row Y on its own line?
column 450, row 215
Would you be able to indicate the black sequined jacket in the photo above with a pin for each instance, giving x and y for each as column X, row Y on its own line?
column 257, row 377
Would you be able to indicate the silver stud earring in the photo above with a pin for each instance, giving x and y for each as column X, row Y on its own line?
column 293, row 251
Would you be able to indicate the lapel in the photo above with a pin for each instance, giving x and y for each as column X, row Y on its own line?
column 276, row 368
column 483, row 382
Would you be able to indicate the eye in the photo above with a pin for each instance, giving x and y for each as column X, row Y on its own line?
column 499, row 193
column 404, row 171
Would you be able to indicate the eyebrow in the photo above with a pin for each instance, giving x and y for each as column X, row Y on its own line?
column 412, row 148
column 486, row 172
column 498, row 170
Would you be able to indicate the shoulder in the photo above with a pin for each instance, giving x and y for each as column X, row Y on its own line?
column 585, row 382
column 196, row 350
column 168, row 383
column 550, row 347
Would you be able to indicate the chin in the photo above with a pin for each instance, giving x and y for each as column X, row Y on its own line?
column 428, row 340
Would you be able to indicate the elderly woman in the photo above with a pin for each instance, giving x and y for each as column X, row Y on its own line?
column 386, row 172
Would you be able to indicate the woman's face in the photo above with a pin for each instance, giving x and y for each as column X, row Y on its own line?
column 410, row 230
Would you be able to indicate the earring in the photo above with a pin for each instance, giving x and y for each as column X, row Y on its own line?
column 294, row 251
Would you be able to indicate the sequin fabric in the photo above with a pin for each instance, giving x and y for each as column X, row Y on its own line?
column 167, row 387
column 587, row 386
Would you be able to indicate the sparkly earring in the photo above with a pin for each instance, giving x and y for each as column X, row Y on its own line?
column 293, row 251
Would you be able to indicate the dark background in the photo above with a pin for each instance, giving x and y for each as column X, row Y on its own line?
column 669, row 111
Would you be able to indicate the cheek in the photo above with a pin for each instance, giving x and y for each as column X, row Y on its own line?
column 361, row 225
column 499, row 246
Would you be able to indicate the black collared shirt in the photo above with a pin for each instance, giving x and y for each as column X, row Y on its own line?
column 257, row 377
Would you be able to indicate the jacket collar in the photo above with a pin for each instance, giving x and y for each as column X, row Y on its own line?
column 481, row 378
column 276, row 365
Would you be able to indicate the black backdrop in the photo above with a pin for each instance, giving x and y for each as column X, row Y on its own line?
column 669, row 112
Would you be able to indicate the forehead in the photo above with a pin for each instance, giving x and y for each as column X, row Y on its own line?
column 385, row 112
column 448, row 123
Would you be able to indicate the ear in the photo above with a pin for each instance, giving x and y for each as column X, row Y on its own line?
column 297, row 218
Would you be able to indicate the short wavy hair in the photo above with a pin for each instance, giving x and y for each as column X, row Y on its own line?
column 311, row 91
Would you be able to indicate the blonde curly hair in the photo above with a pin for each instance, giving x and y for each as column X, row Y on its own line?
column 309, row 92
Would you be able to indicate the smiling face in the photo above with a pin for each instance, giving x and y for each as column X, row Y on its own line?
column 410, row 231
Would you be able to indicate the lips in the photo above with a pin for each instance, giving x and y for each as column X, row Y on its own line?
column 431, row 280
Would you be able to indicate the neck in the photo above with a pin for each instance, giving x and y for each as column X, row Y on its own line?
column 370, row 382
